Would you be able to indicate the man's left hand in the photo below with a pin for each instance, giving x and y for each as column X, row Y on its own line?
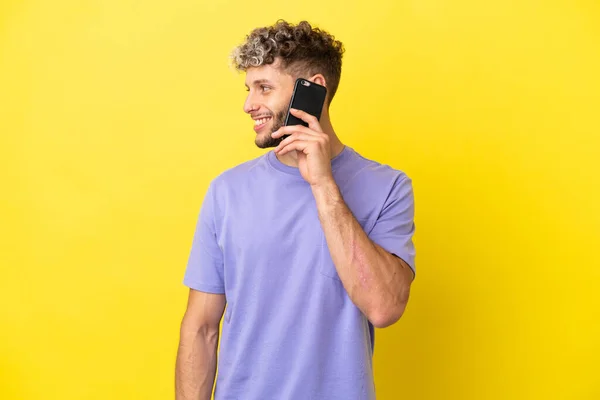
column 312, row 145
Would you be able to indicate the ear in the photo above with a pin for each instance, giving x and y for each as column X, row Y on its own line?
column 319, row 79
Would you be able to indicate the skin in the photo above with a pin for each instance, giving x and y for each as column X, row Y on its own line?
column 196, row 363
column 377, row 282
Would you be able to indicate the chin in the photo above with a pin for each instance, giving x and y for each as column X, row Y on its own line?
column 265, row 141
column 263, row 138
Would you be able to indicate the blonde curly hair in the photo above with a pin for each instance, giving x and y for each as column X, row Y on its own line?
column 303, row 50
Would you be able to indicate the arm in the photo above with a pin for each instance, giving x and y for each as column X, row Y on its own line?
column 377, row 281
column 197, row 354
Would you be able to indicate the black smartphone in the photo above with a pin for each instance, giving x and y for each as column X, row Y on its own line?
column 308, row 97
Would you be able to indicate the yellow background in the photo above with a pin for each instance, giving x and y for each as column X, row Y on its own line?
column 116, row 114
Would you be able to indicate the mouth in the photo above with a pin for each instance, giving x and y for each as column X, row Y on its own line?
column 260, row 123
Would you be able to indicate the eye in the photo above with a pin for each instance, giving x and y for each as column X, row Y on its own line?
column 265, row 88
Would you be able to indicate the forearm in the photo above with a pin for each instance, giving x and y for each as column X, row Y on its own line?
column 196, row 364
column 373, row 278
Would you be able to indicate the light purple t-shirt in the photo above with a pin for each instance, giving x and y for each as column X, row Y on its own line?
column 290, row 331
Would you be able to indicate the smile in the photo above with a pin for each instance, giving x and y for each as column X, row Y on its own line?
column 261, row 121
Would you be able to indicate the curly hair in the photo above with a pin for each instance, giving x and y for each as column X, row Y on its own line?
column 303, row 51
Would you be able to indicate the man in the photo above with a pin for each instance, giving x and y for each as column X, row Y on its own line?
column 309, row 246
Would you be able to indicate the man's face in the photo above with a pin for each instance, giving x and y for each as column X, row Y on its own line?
column 269, row 92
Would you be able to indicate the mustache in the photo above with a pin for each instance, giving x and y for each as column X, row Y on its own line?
column 263, row 115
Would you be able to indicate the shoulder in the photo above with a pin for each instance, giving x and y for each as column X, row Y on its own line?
column 238, row 174
column 374, row 173
column 226, row 186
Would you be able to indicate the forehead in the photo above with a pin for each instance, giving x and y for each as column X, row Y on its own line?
column 270, row 72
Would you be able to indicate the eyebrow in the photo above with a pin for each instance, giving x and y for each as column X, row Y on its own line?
column 259, row 81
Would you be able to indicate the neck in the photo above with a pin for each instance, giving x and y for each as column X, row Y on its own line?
column 335, row 145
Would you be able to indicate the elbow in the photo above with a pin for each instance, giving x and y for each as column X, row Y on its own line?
column 384, row 317
column 389, row 309
column 193, row 328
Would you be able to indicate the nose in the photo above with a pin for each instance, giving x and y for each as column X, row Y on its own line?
column 249, row 105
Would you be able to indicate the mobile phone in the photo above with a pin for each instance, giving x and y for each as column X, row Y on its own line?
column 308, row 97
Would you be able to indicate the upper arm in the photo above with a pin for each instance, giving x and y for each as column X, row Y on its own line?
column 204, row 271
column 395, row 227
column 204, row 311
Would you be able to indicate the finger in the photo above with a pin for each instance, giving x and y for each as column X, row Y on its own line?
column 288, row 130
column 293, row 138
column 298, row 145
column 311, row 120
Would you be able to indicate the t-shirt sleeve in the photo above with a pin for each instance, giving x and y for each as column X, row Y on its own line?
column 204, row 270
column 395, row 227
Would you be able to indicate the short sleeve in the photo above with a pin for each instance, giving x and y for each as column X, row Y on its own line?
column 395, row 227
column 204, row 270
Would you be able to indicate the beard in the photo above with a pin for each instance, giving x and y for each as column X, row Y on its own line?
column 264, row 140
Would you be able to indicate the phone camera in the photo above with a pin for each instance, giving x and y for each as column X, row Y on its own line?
column 305, row 83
